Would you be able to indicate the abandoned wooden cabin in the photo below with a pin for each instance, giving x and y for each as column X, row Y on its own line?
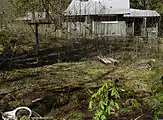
column 110, row 18
column 102, row 18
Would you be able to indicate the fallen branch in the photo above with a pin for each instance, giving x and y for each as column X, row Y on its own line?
column 138, row 117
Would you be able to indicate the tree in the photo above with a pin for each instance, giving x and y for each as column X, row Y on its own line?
column 23, row 6
column 148, row 5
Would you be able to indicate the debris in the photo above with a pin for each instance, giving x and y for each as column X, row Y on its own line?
column 11, row 115
column 36, row 100
column 107, row 60
column 147, row 64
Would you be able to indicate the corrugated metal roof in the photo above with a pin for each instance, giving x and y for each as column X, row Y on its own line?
column 142, row 13
column 97, row 7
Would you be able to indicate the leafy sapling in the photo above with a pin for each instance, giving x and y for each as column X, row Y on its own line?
column 104, row 102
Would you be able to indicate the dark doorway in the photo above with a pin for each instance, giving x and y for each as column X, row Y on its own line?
column 137, row 26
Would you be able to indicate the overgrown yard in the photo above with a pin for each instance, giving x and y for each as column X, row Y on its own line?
column 64, row 89
column 59, row 81
column 53, row 56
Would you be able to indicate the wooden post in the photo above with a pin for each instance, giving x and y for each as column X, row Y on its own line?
column 36, row 46
column 145, row 25
column 36, row 39
column 133, row 27
column 93, row 27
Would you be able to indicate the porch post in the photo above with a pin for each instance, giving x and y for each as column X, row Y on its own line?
column 133, row 26
column 93, row 27
column 145, row 26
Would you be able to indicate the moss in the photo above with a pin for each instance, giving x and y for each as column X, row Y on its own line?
column 28, row 103
column 50, row 117
column 53, row 76
column 74, row 115
column 13, row 104
column 150, row 101
column 79, row 96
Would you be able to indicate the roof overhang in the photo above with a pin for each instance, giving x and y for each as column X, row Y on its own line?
column 142, row 13
column 100, row 12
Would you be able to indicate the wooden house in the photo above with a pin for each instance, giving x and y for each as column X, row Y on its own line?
column 109, row 18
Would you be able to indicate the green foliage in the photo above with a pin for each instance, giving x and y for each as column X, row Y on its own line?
column 24, row 118
column 13, row 40
column 148, row 4
column 13, row 104
column 50, row 117
column 23, row 6
column 133, row 103
column 158, row 111
column 104, row 101
column 54, row 6
column 74, row 115
column 1, row 48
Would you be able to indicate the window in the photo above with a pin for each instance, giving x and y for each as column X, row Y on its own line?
column 75, row 19
column 151, row 22
column 105, row 18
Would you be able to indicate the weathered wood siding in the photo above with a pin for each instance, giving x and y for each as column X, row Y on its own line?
column 108, row 28
column 78, row 28
column 150, row 32
column 112, row 28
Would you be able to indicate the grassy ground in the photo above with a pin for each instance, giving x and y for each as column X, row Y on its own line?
column 65, row 87
column 60, row 80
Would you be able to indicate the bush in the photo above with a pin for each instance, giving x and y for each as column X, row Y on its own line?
column 13, row 40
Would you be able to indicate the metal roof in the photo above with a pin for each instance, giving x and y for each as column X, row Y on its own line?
column 142, row 13
column 97, row 7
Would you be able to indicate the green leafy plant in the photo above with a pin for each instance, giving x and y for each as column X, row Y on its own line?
column 133, row 103
column 158, row 87
column 104, row 102
column 158, row 111
column 50, row 117
column 24, row 118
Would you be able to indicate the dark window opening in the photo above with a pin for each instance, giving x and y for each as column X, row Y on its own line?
column 129, row 22
column 105, row 18
column 137, row 26
column 151, row 22
column 88, row 19
column 120, row 18
column 75, row 19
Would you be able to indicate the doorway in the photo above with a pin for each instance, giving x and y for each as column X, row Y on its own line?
column 137, row 26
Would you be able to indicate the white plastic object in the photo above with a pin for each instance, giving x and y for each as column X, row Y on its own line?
column 11, row 115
